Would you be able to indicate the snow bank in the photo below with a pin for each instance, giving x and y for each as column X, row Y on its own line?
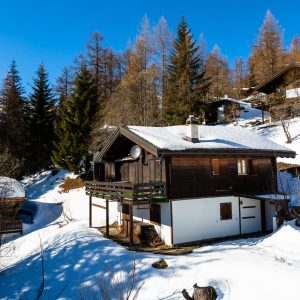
column 284, row 241
column 11, row 188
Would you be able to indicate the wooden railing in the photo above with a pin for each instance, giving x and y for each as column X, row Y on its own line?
column 127, row 191
column 11, row 226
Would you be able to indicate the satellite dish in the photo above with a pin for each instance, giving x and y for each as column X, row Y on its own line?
column 135, row 151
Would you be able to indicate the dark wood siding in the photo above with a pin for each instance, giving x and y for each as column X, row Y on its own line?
column 155, row 213
column 142, row 170
column 193, row 177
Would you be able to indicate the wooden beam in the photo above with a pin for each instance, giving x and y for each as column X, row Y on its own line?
column 263, row 215
column 100, row 206
column 107, row 218
column 90, row 213
column 12, row 200
column 131, row 224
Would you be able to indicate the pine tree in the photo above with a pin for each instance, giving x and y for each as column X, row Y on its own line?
column 40, row 122
column 12, row 116
column 187, row 85
column 73, row 131
column 268, row 53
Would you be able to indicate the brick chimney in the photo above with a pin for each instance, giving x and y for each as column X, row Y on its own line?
column 192, row 129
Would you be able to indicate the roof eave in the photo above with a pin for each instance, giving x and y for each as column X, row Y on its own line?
column 252, row 152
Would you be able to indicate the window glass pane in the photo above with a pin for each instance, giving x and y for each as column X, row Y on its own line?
column 239, row 166
column 215, row 164
column 243, row 166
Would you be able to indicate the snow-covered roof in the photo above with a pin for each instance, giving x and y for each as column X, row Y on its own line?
column 11, row 188
column 210, row 137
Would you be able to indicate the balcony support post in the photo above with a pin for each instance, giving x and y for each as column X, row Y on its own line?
column 90, row 210
column 131, row 224
column 107, row 218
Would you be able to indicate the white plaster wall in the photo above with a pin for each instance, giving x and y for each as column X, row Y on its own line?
column 141, row 213
column 270, row 213
column 253, row 224
column 199, row 219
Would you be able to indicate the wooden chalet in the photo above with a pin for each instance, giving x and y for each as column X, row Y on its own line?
column 282, row 92
column 189, row 182
column 223, row 111
column 11, row 195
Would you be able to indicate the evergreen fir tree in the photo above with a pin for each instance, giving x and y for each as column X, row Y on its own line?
column 187, row 85
column 40, row 122
column 12, row 116
column 73, row 130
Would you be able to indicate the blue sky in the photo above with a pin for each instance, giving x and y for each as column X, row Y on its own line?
column 55, row 31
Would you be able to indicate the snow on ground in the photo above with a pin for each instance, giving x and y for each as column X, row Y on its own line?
column 76, row 255
column 250, row 114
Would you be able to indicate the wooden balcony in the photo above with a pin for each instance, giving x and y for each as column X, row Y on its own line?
column 13, row 226
column 135, row 193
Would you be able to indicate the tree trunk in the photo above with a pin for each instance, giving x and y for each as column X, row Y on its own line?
column 201, row 293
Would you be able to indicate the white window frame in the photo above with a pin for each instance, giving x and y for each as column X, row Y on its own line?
column 243, row 166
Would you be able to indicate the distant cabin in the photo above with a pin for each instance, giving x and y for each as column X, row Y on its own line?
column 191, row 182
column 11, row 195
column 282, row 93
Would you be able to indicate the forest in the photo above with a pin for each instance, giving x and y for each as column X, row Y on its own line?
column 158, row 80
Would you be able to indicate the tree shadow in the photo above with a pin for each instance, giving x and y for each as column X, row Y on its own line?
column 72, row 259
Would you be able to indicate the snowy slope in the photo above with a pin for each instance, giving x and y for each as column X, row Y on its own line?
column 276, row 134
column 76, row 255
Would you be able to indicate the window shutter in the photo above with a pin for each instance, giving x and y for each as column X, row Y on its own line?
column 226, row 211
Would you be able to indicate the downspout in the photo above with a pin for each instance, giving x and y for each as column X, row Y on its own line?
column 170, row 200
column 240, row 222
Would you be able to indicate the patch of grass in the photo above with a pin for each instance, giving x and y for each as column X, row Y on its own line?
column 71, row 184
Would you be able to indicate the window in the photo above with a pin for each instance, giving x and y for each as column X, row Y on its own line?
column 226, row 211
column 215, row 166
column 243, row 166
column 155, row 213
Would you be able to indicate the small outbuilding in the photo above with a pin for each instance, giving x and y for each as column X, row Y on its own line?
column 11, row 194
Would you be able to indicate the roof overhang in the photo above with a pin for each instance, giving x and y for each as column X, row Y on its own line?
column 279, row 197
column 229, row 152
column 264, row 87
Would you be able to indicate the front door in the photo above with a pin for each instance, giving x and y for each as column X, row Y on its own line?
column 250, row 215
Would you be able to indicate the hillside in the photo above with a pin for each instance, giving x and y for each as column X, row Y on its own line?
column 75, row 256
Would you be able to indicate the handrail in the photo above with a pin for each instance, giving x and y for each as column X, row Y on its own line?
column 129, row 191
